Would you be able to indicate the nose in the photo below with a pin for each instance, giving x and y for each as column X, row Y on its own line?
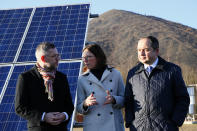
column 58, row 58
column 85, row 60
column 142, row 53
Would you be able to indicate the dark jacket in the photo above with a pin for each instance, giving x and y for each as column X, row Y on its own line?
column 31, row 100
column 158, row 102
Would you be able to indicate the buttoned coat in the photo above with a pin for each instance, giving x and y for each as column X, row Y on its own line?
column 31, row 100
column 156, row 102
column 101, row 117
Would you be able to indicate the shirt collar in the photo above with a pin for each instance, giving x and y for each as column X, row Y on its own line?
column 153, row 65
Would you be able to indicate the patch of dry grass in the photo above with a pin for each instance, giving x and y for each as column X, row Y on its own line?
column 188, row 127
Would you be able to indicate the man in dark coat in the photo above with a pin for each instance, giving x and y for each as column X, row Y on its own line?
column 42, row 93
column 156, row 98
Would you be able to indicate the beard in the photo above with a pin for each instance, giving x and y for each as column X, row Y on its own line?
column 50, row 68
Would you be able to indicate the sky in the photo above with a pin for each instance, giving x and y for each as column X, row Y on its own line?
column 179, row 11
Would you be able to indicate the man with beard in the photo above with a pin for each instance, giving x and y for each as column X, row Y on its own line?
column 42, row 93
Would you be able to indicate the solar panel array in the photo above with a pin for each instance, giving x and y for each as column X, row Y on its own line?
column 3, row 75
column 21, row 30
column 12, row 27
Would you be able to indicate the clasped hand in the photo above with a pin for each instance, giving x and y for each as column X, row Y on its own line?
column 54, row 118
column 91, row 100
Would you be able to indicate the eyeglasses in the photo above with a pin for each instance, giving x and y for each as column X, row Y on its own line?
column 87, row 57
column 54, row 56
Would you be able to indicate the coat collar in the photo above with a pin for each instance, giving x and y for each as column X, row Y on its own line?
column 36, row 72
column 160, row 66
column 107, row 71
column 93, row 79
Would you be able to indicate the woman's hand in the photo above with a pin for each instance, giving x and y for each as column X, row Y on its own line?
column 90, row 101
column 109, row 99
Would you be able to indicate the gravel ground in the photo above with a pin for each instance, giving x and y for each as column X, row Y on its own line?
column 185, row 127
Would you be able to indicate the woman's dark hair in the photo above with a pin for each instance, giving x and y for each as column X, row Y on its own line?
column 99, row 54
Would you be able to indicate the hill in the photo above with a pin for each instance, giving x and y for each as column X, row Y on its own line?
column 118, row 32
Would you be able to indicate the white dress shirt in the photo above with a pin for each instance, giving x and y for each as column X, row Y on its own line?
column 152, row 65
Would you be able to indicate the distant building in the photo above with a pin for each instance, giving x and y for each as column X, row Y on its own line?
column 192, row 114
column 192, row 90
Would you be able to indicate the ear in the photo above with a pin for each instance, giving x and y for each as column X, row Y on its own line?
column 157, row 50
column 43, row 59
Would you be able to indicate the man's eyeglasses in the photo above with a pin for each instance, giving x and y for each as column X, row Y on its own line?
column 54, row 56
column 87, row 57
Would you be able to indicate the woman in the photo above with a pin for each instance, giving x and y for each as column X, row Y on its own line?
column 100, row 92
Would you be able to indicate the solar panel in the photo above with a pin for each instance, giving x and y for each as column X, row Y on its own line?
column 65, row 26
column 21, row 30
column 8, row 119
column 72, row 71
column 4, row 70
column 12, row 27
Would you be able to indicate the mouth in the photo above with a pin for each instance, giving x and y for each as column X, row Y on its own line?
column 56, row 64
column 143, row 58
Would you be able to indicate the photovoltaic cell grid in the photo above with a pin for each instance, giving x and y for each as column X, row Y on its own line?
column 8, row 119
column 72, row 72
column 65, row 26
column 12, row 27
column 4, row 70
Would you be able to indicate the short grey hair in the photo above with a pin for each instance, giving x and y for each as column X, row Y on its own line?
column 42, row 49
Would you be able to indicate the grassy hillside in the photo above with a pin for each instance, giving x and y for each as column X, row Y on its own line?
column 118, row 32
